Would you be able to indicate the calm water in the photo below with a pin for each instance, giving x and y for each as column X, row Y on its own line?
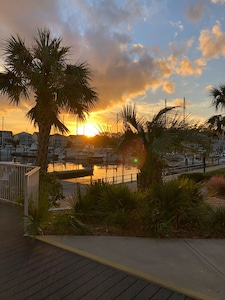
column 110, row 172
column 114, row 172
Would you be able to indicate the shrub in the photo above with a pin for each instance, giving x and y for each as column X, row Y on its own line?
column 51, row 188
column 196, row 177
column 174, row 205
column 120, row 205
column 118, row 197
column 38, row 216
column 118, row 219
column 105, row 203
column 218, row 221
column 216, row 185
column 89, row 205
column 66, row 222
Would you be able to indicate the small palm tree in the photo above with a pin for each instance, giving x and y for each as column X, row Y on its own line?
column 153, row 139
column 42, row 72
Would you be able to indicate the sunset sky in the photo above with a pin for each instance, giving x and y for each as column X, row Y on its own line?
column 140, row 51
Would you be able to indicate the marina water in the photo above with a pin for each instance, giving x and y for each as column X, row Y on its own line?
column 108, row 172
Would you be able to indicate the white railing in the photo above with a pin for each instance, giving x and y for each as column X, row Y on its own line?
column 31, row 187
column 18, row 182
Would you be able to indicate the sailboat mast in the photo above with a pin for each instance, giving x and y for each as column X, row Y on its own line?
column 184, row 112
column 2, row 131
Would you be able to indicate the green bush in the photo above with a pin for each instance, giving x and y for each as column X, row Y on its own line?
column 196, row 177
column 118, row 197
column 118, row 219
column 89, row 205
column 218, row 221
column 172, row 206
column 51, row 188
column 38, row 216
column 112, row 205
column 66, row 222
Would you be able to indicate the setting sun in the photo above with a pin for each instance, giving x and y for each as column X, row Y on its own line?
column 88, row 129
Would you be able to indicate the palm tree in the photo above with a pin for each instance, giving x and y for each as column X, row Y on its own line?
column 216, row 124
column 153, row 139
column 42, row 72
column 218, row 96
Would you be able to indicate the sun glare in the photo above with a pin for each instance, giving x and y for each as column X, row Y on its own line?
column 88, row 129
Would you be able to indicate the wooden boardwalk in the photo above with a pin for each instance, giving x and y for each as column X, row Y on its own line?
column 30, row 269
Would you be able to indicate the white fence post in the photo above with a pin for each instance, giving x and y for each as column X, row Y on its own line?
column 31, row 192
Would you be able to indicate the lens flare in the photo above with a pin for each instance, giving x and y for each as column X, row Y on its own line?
column 134, row 152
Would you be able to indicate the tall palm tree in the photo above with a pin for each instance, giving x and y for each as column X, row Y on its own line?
column 153, row 139
column 42, row 72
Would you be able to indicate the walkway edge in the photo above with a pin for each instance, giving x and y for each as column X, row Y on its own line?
column 128, row 270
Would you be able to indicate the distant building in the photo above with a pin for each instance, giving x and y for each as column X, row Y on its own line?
column 6, row 138
column 78, row 141
column 24, row 138
column 57, row 141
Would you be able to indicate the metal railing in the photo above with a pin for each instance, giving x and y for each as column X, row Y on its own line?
column 189, row 168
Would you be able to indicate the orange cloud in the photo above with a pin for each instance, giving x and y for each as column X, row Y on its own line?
column 218, row 1
column 180, row 102
column 212, row 43
column 188, row 68
column 169, row 87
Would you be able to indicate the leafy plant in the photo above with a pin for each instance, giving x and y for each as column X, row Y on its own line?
column 172, row 206
column 218, row 221
column 38, row 216
column 111, row 205
column 118, row 197
column 89, row 205
column 51, row 188
column 118, row 219
column 196, row 177
column 67, row 222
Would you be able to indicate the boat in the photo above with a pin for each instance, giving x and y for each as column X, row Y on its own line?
column 67, row 174
column 97, row 158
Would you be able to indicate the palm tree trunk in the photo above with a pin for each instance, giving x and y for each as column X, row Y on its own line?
column 150, row 172
column 43, row 143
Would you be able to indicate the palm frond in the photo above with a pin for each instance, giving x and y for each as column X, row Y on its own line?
column 74, row 93
column 131, row 121
column 218, row 96
column 158, row 117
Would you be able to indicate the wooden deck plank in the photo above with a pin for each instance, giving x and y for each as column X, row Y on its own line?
column 135, row 289
column 35, row 270
column 118, row 288
column 162, row 294
column 148, row 292
column 102, row 288
column 96, row 281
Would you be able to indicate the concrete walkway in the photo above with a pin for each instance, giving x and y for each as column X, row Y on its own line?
column 194, row 267
column 33, row 270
